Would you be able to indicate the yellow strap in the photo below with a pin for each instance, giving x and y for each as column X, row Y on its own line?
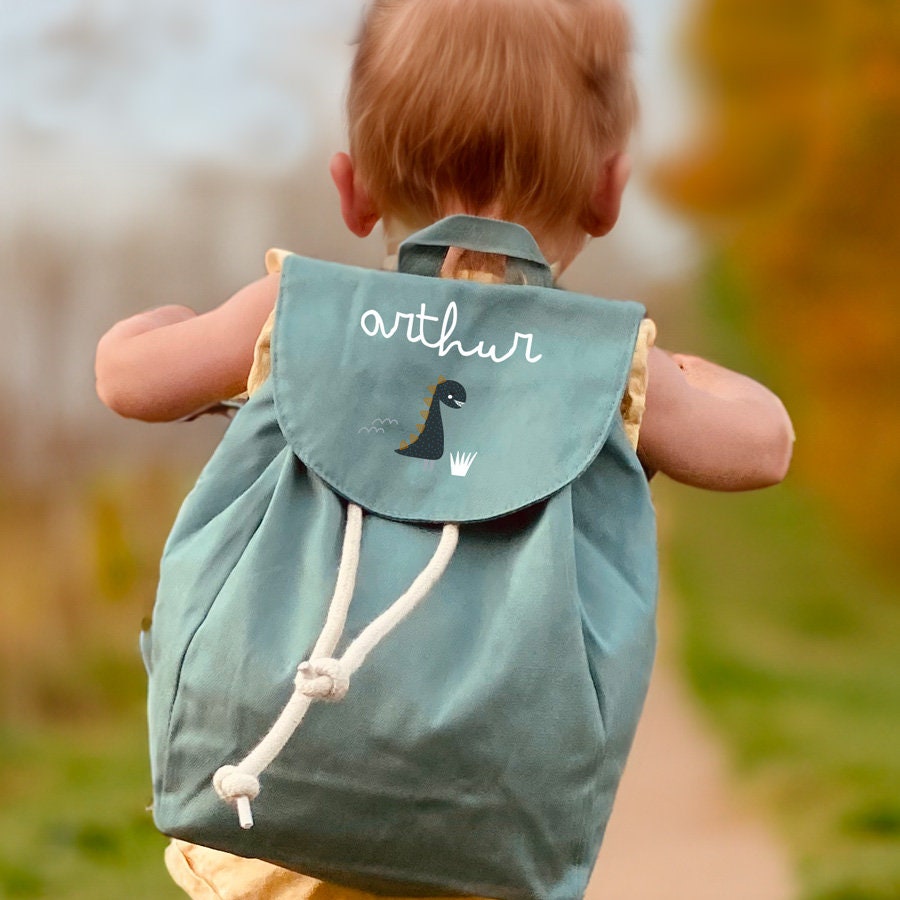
column 635, row 400
column 275, row 260
column 262, row 352
column 262, row 357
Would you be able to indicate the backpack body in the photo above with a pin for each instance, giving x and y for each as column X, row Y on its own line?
column 480, row 745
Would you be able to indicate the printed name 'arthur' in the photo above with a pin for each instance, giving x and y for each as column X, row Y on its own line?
column 373, row 324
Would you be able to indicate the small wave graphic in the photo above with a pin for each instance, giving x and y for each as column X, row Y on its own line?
column 370, row 430
column 385, row 422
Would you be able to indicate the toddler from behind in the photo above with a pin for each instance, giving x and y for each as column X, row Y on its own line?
column 518, row 110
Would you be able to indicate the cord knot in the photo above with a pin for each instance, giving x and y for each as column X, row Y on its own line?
column 239, row 788
column 231, row 783
column 323, row 679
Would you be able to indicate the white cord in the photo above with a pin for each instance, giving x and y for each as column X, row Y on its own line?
column 322, row 677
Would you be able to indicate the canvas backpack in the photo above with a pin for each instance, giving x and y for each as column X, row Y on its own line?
column 405, row 618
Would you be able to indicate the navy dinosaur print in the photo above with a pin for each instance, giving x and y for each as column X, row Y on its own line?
column 429, row 442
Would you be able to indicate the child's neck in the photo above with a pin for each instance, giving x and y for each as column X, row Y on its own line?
column 396, row 231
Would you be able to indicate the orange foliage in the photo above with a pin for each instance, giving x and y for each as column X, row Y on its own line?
column 795, row 177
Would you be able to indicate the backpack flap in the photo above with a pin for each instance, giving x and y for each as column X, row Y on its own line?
column 444, row 400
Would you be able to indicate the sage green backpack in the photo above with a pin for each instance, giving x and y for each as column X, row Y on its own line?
column 426, row 541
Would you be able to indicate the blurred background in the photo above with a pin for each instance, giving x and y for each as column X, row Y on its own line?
column 151, row 151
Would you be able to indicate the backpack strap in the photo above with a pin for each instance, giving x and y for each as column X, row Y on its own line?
column 423, row 253
column 322, row 677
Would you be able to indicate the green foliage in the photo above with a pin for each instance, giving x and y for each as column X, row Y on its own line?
column 116, row 564
column 791, row 641
column 79, row 572
column 74, row 821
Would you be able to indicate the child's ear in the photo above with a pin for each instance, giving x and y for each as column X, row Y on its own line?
column 358, row 210
column 605, row 204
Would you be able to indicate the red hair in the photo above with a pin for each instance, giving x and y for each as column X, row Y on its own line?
column 507, row 105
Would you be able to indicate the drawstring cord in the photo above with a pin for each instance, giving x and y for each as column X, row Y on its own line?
column 323, row 677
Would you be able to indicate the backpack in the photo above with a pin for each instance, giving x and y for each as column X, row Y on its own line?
column 459, row 446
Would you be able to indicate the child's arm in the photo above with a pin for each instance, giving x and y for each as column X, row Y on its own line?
column 166, row 363
column 710, row 427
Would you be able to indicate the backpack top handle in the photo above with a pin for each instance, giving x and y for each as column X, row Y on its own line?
column 423, row 253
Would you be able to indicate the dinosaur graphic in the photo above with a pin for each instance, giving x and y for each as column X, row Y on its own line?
column 429, row 442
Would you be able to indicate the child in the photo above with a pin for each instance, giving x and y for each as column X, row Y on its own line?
column 508, row 109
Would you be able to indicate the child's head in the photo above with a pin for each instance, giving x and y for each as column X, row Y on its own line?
column 519, row 109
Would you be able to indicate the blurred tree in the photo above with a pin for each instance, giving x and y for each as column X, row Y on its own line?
column 793, row 177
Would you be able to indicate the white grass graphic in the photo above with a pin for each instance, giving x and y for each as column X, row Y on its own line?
column 460, row 463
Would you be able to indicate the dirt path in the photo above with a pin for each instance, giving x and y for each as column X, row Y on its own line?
column 678, row 831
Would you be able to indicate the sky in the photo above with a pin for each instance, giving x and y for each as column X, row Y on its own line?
column 230, row 78
column 91, row 90
column 234, row 81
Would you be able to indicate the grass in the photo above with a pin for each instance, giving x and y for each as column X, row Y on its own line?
column 792, row 640
column 74, row 815
column 79, row 572
column 792, row 644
